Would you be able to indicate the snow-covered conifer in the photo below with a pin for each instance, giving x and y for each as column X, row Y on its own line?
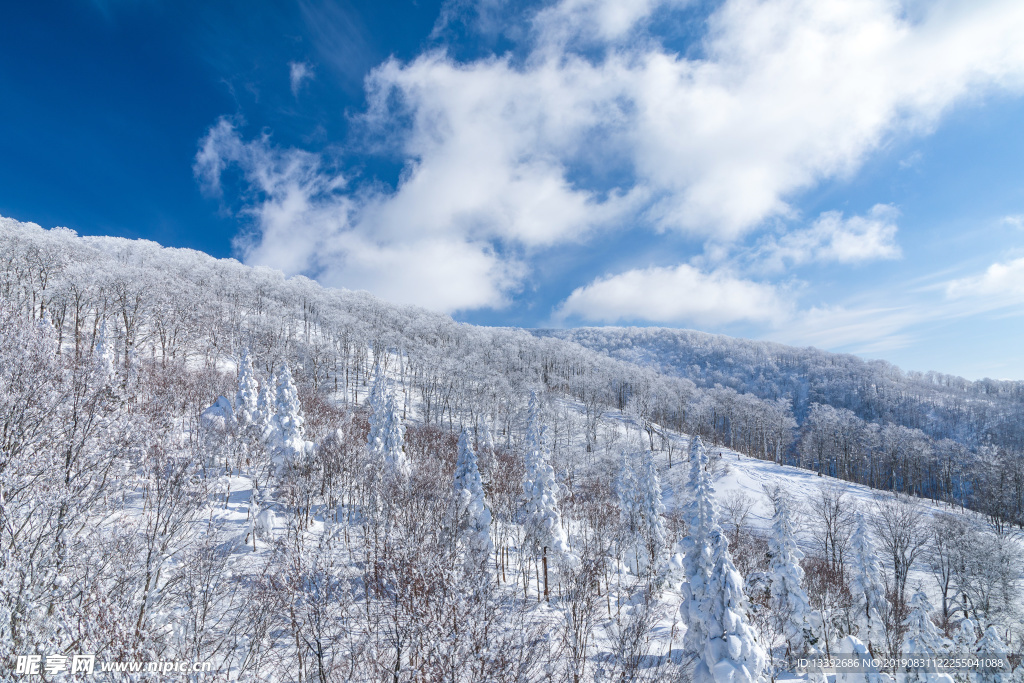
column 722, row 642
column 386, row 440
column 921, row 639
column 629, row 509
column 471, row 519
column 246, row 398
column 651, row 508
column 542, row 522
column 852, row 647
column 103, row 356
column 697, row 562
column 800, row 624
column 265, row 405
column 732, row 652
column 288, row 420
column 964, row 638
column 866, row 587
column 991, row 647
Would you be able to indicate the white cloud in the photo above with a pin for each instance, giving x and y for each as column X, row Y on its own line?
column 833, row 238
column 1014, row 221
column 299, row 73
column 308, row 223
column 502, row 154
column 679, row 295
column 789, row 92
column 1001, row 284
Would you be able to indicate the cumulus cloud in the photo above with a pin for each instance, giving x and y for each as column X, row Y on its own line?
column 679, row 295
column 507, row 155
column 299, row 73
column 308, row 222
column 833, row 238
column 1000, row 284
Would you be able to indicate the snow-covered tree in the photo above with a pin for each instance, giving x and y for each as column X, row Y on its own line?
column 991, row 647
column 288, row 420
column 964, row 638
column 652, row 509
column 641, row 522
column 866, row 587
column 697, row 564
column 542, row 519
column 799, row 624
column 852, row 647
column 264, row 416
column 714, row 606
column 247, row 396
column 732, row 653
column 469, row 515
column 103, row 356
column 922, row 639
column 629, row 510
column 386, row 440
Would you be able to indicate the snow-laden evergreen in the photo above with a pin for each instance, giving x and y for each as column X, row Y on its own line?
column 543, row 531
column 641, row 511
column 103, row 357
column 922, row 639
column 724, row 646
column 247, row 396
column 386, row 439
column 264, row 417
column 992, row 647
column 964, row 637
column 652, row 509
column 629, row 511
column 701, row 519
column 799, row 623
column 289, row 440
column 469, row 514
column 866, row 587
column 732, row 653
column 852, row 647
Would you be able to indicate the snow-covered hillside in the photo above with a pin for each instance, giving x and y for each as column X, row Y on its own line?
column 204, row 462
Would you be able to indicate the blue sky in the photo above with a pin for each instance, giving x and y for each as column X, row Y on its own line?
column 847, row 174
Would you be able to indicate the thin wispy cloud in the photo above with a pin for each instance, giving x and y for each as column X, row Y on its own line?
column 298, row 74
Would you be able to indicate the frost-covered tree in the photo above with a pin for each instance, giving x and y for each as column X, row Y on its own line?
column 964, row 638
column 386, row 440
column 629, row 510
column 652, row 509
column 798, row 623
column 469, row 514
column 922, row 639
column 697, row 563
column 264, row 416
column 542, row 519
column 852, row 647
column 247, row 396
column 288, row 421
column 714, row 606
column 732, row 652
column 103, row 356
column 991, row 647
column 641, row 522
column 866, row 587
